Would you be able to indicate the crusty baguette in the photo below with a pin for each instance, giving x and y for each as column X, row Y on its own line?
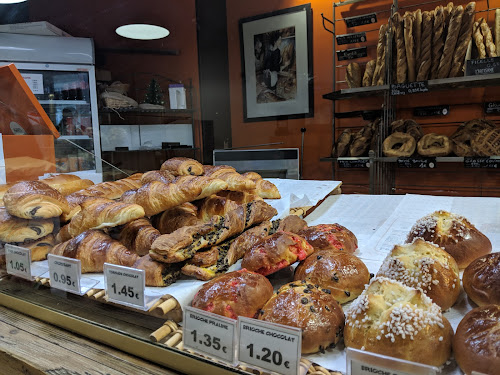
column 451, row 41
column 410, row 46
column 98, row 214
column 379, row 73
column 437, row 40
column 417, row 35
column 464, row 38
column 497, row 30
column 478, row 39
column 353, row 75
column 94, row 248
column 402, row 64
column 368, row 75
column 488, row 40
column 424, row 66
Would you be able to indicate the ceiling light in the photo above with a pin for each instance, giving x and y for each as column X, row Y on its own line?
column 11, row 1
column 142, row 31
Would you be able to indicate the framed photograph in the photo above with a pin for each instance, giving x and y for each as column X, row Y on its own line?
column 276, row 59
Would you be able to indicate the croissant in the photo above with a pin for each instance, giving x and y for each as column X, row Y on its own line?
column 67, row 183
column 215, row 205
column 163, row 176
column 234, row 180
column 158, row 274
column 94, row 248
column 113, row 189
column 252, row 175
column 34, row 200
column 239, row 197
column 14, row 229
column 39, row 248
column 98, row 214
column 138, row 236
column 74, row 201
column 176, row 217
column 266, row 189
column 182, row 166
column 208, row 185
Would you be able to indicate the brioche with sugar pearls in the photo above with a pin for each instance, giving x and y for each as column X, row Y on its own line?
column 393, row 319
column 481, row 280
column 424, row 265
column 454, row 233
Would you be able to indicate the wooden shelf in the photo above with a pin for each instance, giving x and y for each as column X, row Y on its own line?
column 134, row 116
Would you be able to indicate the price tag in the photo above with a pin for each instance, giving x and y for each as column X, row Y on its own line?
column 351, row 38
column 273, row 347
column 125, row 285
column 65, row 273
column 409, row 88
column 364, row 19
column 365, row 363
column 34, row 82
column 435, row 110
column 354, row 163
column 478, row 162
column 18, row 261
column 210, row 334
column 492, row 107
column 479, row 67
column 353, row 53
column 416, row 162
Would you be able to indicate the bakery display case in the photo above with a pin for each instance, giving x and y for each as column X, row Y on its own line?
column 443, row 103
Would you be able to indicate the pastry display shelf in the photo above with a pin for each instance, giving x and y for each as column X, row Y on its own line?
column 440, row 159
column 330, row 159
column 433, row 84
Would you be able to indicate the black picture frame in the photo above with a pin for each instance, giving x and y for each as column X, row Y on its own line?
column 269, row 92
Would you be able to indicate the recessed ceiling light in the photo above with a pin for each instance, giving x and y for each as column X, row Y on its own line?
column 11, row 1
column 142, row 31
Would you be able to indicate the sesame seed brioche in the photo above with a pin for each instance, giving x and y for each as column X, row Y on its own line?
column 453, row 233
column 425, row 266
column 393, row 319
column 309, row 307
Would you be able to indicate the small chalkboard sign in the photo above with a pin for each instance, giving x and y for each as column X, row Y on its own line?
column 481, row 162
column 491, row 107
column 409, row 88
column 353, row 53
column 479, row 67
column 435, row 110
column 364, row 19
column 351, row 38
column 416, row 162
column 354, row 163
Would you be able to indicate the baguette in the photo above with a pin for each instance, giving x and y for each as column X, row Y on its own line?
column 353, row 75
column 451, row 41
column 497, row 30
column 379, row 72
column 464, row 38
column 368, row 75
column 410, row 46
column 488, row 40
column 402, row 64
column 437, row 40
column 478, row 39
column 425, row 60
column 417, row 34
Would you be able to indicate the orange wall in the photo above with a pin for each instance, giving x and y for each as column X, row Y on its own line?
column 318, row 136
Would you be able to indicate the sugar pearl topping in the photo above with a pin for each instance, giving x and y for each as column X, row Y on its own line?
column 440, row 223
column 395, row 309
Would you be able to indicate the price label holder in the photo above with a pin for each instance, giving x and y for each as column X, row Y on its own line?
column 353, row 53
column 481, row 162
column 416, row 162
column 126, row 286
column 269, row 346
column 491, row 108
column 66, row 274
column 409, row 88
column 477, row 373
column 434, row 110
column 353, row 163
column 351, row 38
column 364, row 19
column 365, row 363
column 18, row 261
column 479, row 67
column 210, row 334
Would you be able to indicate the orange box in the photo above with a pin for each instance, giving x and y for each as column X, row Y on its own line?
column 27, row 132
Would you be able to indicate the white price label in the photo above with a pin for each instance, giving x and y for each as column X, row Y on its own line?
column 125, row 285
column 34, row 81
column 209, row 334
column 366, row 363
column 18, row 261
column 270, row 346
column 65, row 273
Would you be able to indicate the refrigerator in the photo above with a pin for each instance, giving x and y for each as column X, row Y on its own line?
column 61, row 74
